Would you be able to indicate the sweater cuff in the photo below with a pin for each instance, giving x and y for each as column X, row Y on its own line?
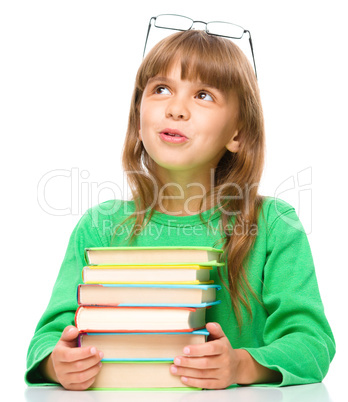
column 270, row 357
column 33, row 377
column 259, row 354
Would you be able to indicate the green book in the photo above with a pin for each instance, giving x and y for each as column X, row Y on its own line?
column 206, row 256
column 150, row 375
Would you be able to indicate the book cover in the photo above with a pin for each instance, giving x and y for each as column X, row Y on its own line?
column 147, row 295
column 152, row 255
column 137, row 374
column 158, row 274
column 139, row 319
column 143, row 346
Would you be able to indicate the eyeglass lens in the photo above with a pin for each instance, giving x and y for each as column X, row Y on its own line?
column 225, row 29
column 177, row 22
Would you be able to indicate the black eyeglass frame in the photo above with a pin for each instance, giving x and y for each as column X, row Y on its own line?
column 206, row 24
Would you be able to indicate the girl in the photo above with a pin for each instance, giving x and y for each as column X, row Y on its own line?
column 194, row 154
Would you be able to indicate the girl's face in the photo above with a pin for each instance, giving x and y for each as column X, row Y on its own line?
column 187, row 125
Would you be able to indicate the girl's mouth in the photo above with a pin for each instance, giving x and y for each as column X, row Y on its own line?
column 173, row 132
column 173, row 136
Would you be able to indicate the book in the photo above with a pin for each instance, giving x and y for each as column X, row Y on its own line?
column 152, row 255
column 104, row 274
column 139, row 319
column 149, row 295
column 141, row 306
column 126, row 346
column 137, row 375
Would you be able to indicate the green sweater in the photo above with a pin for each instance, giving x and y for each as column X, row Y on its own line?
column 288, row 333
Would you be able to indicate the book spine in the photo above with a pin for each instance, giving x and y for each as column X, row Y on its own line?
column 138, row 331
column 141, row 307
column 76, row 317
column 78, row 294
column 79, row 340
column 87, row 256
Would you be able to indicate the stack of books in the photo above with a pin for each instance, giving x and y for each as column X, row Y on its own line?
column 141, row 306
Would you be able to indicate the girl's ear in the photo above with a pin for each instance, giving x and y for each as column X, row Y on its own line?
column 140, row 134
column 233, row 143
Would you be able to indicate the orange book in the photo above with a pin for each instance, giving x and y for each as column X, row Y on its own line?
column 139, row 319
column 147, row 295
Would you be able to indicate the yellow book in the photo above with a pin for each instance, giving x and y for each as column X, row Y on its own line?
column 144, row 274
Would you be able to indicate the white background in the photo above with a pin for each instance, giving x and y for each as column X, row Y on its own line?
column 67, row 70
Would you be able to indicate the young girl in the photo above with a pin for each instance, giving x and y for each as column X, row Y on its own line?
column 194, row 155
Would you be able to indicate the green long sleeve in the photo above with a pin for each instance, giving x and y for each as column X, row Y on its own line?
column 60, row 311
column 298, row 340
column 288, row 331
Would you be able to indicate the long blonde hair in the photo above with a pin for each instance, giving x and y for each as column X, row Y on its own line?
column 218, row 62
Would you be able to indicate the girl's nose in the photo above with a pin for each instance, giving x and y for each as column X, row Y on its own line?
column 177, row 110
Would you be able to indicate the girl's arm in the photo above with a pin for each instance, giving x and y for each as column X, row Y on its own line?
column 251, row 372
column 61, row 309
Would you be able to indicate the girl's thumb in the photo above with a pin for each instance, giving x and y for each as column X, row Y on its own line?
column 69, row 333
column 215, row 330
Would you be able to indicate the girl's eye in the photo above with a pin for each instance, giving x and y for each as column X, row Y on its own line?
column 162, row 90
column 205, row 96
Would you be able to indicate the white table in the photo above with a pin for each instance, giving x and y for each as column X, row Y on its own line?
column 301, row 393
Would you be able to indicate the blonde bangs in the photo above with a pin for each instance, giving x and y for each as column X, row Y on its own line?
column 203, row 57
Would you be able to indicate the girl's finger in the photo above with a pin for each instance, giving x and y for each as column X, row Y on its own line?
column 210, row 348
column 83, row 376
column 205, row 383
column 68, row 355
column 80, row 365
column 195, row 373
column 212, row 362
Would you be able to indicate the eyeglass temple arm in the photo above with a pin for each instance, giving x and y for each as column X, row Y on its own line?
column 148, row 32
column 252, row 51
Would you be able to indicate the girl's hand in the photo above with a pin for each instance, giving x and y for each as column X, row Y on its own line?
column 216, row 365
column 73, row 367
column 212, row 365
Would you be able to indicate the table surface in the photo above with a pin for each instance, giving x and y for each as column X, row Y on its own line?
column 301, row 393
